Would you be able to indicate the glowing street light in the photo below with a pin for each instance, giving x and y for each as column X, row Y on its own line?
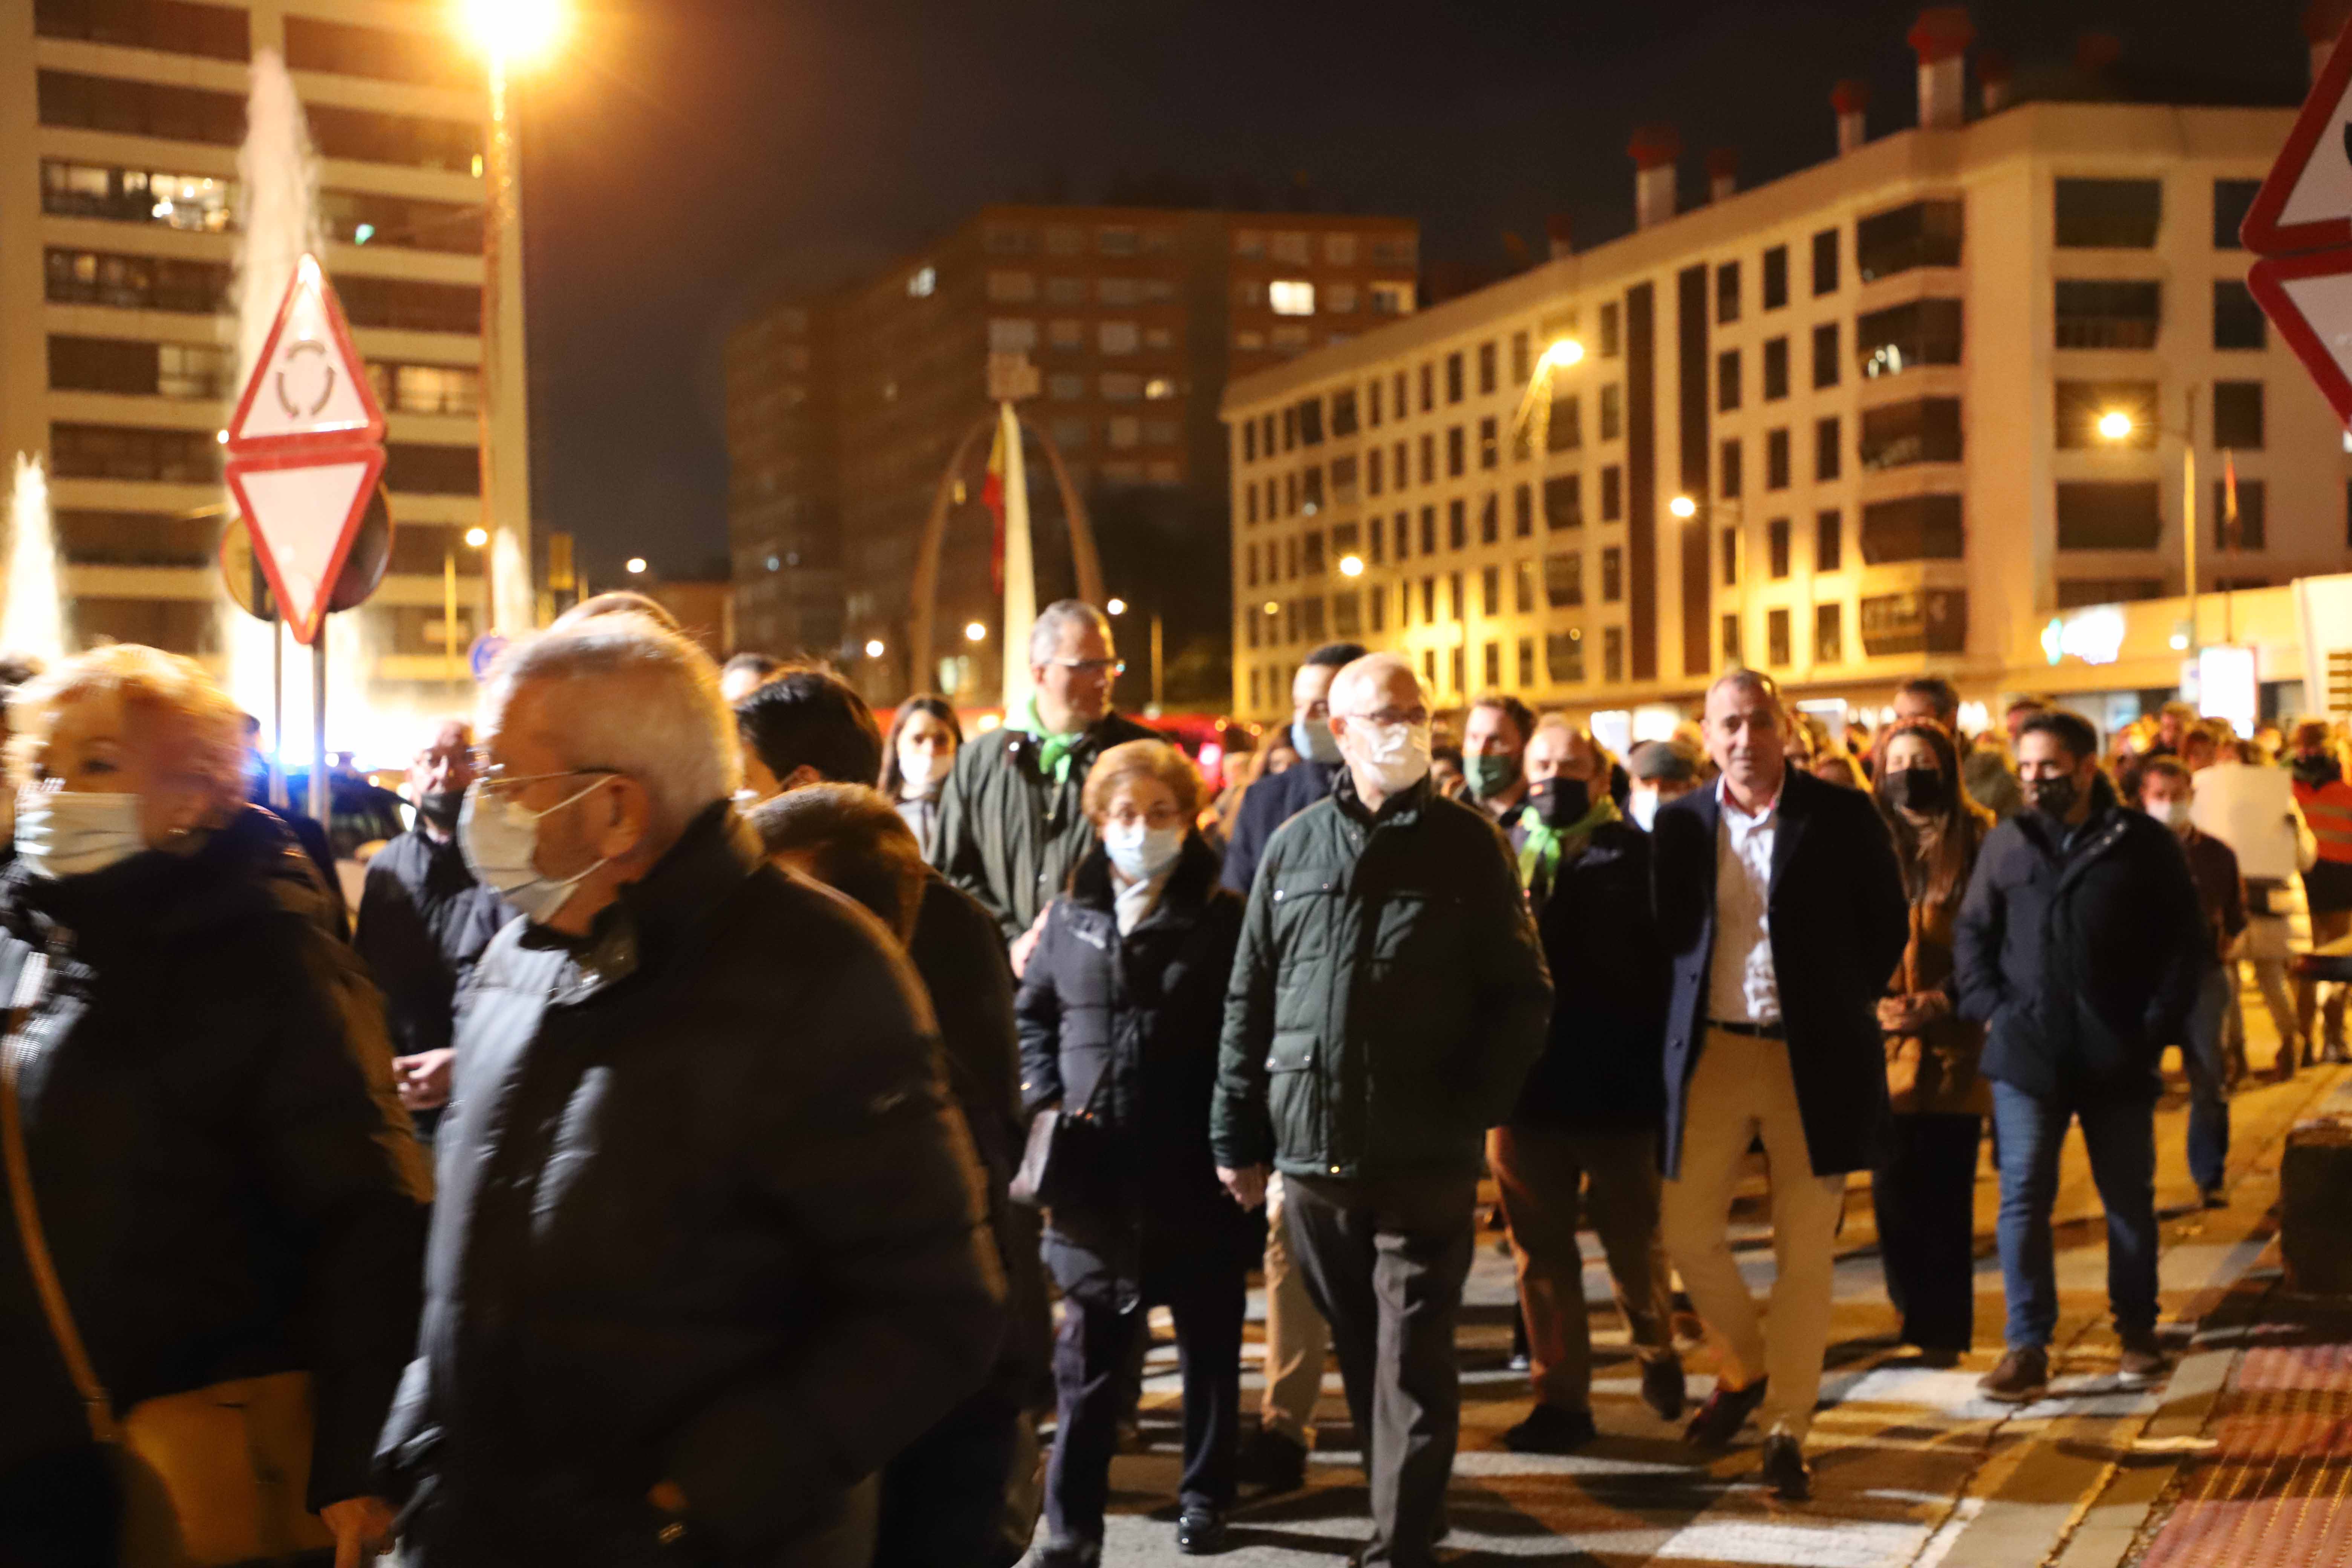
column 875, row 648
column 2115, row 425
column 1563, row 352
column 1117, row 606
column 975, row 632
column 512, row 32
column 477, row 537
column 1352, row 566
column 1683, row 507
column 636, row 564
column 1273, row 608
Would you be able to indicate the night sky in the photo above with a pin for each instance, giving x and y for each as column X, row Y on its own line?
column 685, row 158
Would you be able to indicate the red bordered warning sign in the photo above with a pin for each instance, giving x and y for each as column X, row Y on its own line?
column 305, row 509
column 2306, row 201
column 2309, row 300
column 309, row 386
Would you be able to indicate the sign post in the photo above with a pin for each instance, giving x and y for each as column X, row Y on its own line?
column 305, row 455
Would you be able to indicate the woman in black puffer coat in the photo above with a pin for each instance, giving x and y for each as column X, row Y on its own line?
column 1120, row 1011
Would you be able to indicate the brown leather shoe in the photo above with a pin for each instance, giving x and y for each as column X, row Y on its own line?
column 2022, row 1376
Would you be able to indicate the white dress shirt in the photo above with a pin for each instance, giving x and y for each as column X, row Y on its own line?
column 1742, row 987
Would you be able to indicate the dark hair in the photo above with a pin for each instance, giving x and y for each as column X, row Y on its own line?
column 806, row 718
column 759, row 664
column 1447, row 754
column 1510, row 707
column 1936, row 859
column 2170, row 767
column 856, row 843
column 1337, row 655
column 2072, row 731
column 1940, row 693
column 1654, row 762
column 894, row 781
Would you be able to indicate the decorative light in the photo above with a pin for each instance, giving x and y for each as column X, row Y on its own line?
column 975, row 632
column 1352, row 566
column 1683, row 507
column 1117, row 606
column 1564, row 352
column 875, row 648
column 2115, row 425
column 477, row 537
column 637, row 564
column 512, row 32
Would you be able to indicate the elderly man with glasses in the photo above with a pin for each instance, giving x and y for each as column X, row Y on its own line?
column 1387, row 1002
column 1011, row 824
column 709, row 1244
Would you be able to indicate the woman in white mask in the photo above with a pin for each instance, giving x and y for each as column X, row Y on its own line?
column 1120, row 1011
column 199, row 1129
column 915, row 761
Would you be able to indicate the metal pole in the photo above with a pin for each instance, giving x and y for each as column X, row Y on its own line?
column 278, row 798
column 499, row 212
column 1159, row 689
column 320, row 800
column 2188, row 514
column 449, row 615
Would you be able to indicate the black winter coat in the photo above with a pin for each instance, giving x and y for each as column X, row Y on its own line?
column 707, row 1216
column 1267, row 805
column 1840, row 921
column 227, row 1184
column 1601, row 1070
column 1127, row 1029
column 423, row 922
column 1010, row 834
column 2083, row 962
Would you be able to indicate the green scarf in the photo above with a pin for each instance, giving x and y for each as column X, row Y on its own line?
column 1052, row 751
column 1545, row 848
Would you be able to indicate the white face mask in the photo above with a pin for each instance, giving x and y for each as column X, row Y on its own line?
column 1139, row 852
column 500, row 841
column 2173, row 813
column 1312, row 737
column 1396, row 755
column 924, row 770
column 65, row 833
column 1644, row 805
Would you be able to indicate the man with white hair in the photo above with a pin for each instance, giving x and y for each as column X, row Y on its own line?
column 709, row 1244
column 1387, row 1002
column 1011, row 825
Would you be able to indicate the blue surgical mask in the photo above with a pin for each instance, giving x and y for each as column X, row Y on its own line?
column 1312, row 737
column 1141, row 853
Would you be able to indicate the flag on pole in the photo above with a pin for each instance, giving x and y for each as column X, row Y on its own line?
column 1008, row 479
column 991, row 496
column 2228, row 499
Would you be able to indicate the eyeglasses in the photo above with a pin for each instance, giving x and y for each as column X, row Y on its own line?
column 1095, row 666
column 490, row 777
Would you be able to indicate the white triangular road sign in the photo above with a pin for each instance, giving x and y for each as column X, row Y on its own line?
column 2306, row 201
column 310, row 385
column 2309, row 300
column 304, row 511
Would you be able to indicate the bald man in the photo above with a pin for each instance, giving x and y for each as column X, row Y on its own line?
column 1387, row 1002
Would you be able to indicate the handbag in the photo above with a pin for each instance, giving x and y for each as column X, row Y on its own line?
column 211, row 1477
column 1062, row 1161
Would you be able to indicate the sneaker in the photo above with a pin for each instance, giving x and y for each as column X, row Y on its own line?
column 1785, row 1470
column 1272, row 1462
column 1201, row 1532
column 2022, row 1376
column 2143, row 1360
column 1727, row 1410
column 1663, row 1388
column 1549, row 1429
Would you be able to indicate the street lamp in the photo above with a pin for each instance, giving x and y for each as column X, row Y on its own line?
column 1117, row 606
column 510, row 35
column 1352, row 566
column 2118, row 426
column 474, row 539
column 975, row 632
column 1531, row 425
column 875, row 648
column 636, row 565
column 1563, row 352
column 1683, row 507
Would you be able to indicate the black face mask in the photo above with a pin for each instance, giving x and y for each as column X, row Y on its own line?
column 1559, row 802
column 1922, row 791
column 2053, row 798
column 2317, row 770
column 440, row 806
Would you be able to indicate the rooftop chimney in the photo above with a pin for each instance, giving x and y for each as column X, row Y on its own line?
column 1992, row 76
column 1941, row 37
column 1556, row 230
column 2323, row 24
column 1850, row 100
column 1722, row 174
column 1653, row 150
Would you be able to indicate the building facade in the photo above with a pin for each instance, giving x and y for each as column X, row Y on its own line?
column 119, row 127
column 845, row 414
column 1842, row 427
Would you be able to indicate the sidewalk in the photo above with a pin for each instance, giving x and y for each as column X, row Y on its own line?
column 1913, row 1469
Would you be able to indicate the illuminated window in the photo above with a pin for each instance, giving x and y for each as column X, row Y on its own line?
column 1158, row 387
column 1291, row 296
column 1118, row 337
column 1392, row 298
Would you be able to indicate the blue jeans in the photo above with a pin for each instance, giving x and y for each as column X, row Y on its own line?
column 2209, row 1094
column 2120, row 1136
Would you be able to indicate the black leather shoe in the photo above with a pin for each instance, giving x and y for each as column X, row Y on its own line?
column 1785, row 1470
column 1663, row 1387
column 1727, row 1410
column 1201, row 1532
column 1271, row 1462
column 1549, row 1429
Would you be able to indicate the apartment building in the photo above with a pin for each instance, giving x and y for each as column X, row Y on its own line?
column 844, row 412
column 120, row 125
column 1843, row 427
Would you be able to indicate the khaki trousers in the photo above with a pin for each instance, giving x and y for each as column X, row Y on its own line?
column 1539, row 1172
column 1296, row 1337
column 1741, row 1090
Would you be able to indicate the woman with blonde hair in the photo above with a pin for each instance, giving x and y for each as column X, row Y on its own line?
column 217, row 1206
column 1120, row 1011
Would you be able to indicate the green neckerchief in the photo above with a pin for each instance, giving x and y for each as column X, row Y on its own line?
column 1054, row 751
column 1543, row 850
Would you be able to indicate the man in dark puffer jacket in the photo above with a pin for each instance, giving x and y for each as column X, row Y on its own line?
column 2080, row 947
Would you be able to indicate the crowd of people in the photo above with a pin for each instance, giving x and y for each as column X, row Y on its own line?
column 783, row 1079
